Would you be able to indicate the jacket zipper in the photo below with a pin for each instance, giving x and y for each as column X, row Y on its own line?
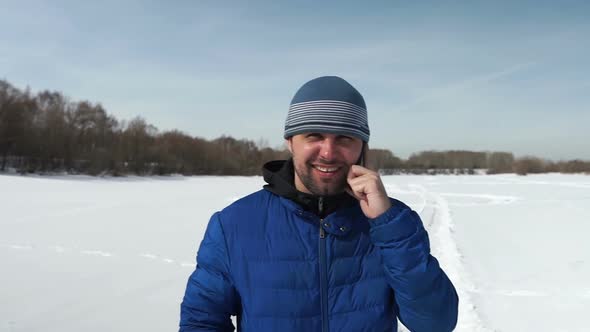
column 323, row 270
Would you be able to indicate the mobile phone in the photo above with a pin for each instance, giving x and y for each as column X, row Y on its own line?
column 363, row 158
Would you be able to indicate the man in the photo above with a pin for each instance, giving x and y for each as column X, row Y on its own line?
column 322, row 247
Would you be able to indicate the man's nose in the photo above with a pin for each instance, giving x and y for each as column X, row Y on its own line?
column 327, row 149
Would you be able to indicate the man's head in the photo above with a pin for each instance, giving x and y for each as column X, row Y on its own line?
column 326, row 131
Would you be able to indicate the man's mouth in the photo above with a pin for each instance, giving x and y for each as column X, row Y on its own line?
column 326, row 169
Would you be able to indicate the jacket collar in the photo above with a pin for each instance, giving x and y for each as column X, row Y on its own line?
column 279, row 175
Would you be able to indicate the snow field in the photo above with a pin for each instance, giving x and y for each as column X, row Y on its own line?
column 82, row 253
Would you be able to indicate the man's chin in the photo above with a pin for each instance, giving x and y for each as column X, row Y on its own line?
column 323, row 186
column 329, row 190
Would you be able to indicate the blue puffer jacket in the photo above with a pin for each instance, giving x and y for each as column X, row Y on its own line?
column 280, row 268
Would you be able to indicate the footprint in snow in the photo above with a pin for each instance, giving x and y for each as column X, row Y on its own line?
column 149, row 256
column 99, row 253
column 58, row 249
column 20, row 247
column 154, row 257
column 523, row 293
column 96, row 253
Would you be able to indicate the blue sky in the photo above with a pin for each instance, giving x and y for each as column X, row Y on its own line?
column 495, row 75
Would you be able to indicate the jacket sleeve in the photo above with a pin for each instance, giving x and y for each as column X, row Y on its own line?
column 426, row 298
column 210, row 298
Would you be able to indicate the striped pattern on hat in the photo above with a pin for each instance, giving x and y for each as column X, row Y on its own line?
column 328, row 104
column 330, row 116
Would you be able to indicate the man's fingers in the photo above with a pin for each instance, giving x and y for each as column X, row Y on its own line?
column 350, row 192
column 365, row 178
column 356, row 184
column 357, row 191
column 356, row 170
column 367, row 187
column 358, row 179
column 350, row 174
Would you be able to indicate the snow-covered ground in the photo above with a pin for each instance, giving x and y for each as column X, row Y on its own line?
column 89, row 254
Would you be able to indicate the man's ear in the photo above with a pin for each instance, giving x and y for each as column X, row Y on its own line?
column 289, row 143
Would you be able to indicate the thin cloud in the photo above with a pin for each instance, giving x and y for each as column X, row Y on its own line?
column 455, row 87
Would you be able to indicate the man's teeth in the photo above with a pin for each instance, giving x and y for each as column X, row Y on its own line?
column 326, row 169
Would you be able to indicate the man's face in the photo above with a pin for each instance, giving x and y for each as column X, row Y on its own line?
column 322, row 161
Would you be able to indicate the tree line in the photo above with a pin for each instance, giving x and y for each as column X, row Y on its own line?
column 467, row 162
column 47, row 132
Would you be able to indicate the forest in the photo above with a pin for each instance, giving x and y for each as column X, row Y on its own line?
column 46, row 133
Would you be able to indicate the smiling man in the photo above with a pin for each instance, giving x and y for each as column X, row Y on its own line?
column 321, row 247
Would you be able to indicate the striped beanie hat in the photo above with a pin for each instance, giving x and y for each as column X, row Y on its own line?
column 328, row 104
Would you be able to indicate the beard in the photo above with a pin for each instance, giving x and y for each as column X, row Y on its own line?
column 322, row 186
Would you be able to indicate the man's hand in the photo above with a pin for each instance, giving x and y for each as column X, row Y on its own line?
column 366, row 186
